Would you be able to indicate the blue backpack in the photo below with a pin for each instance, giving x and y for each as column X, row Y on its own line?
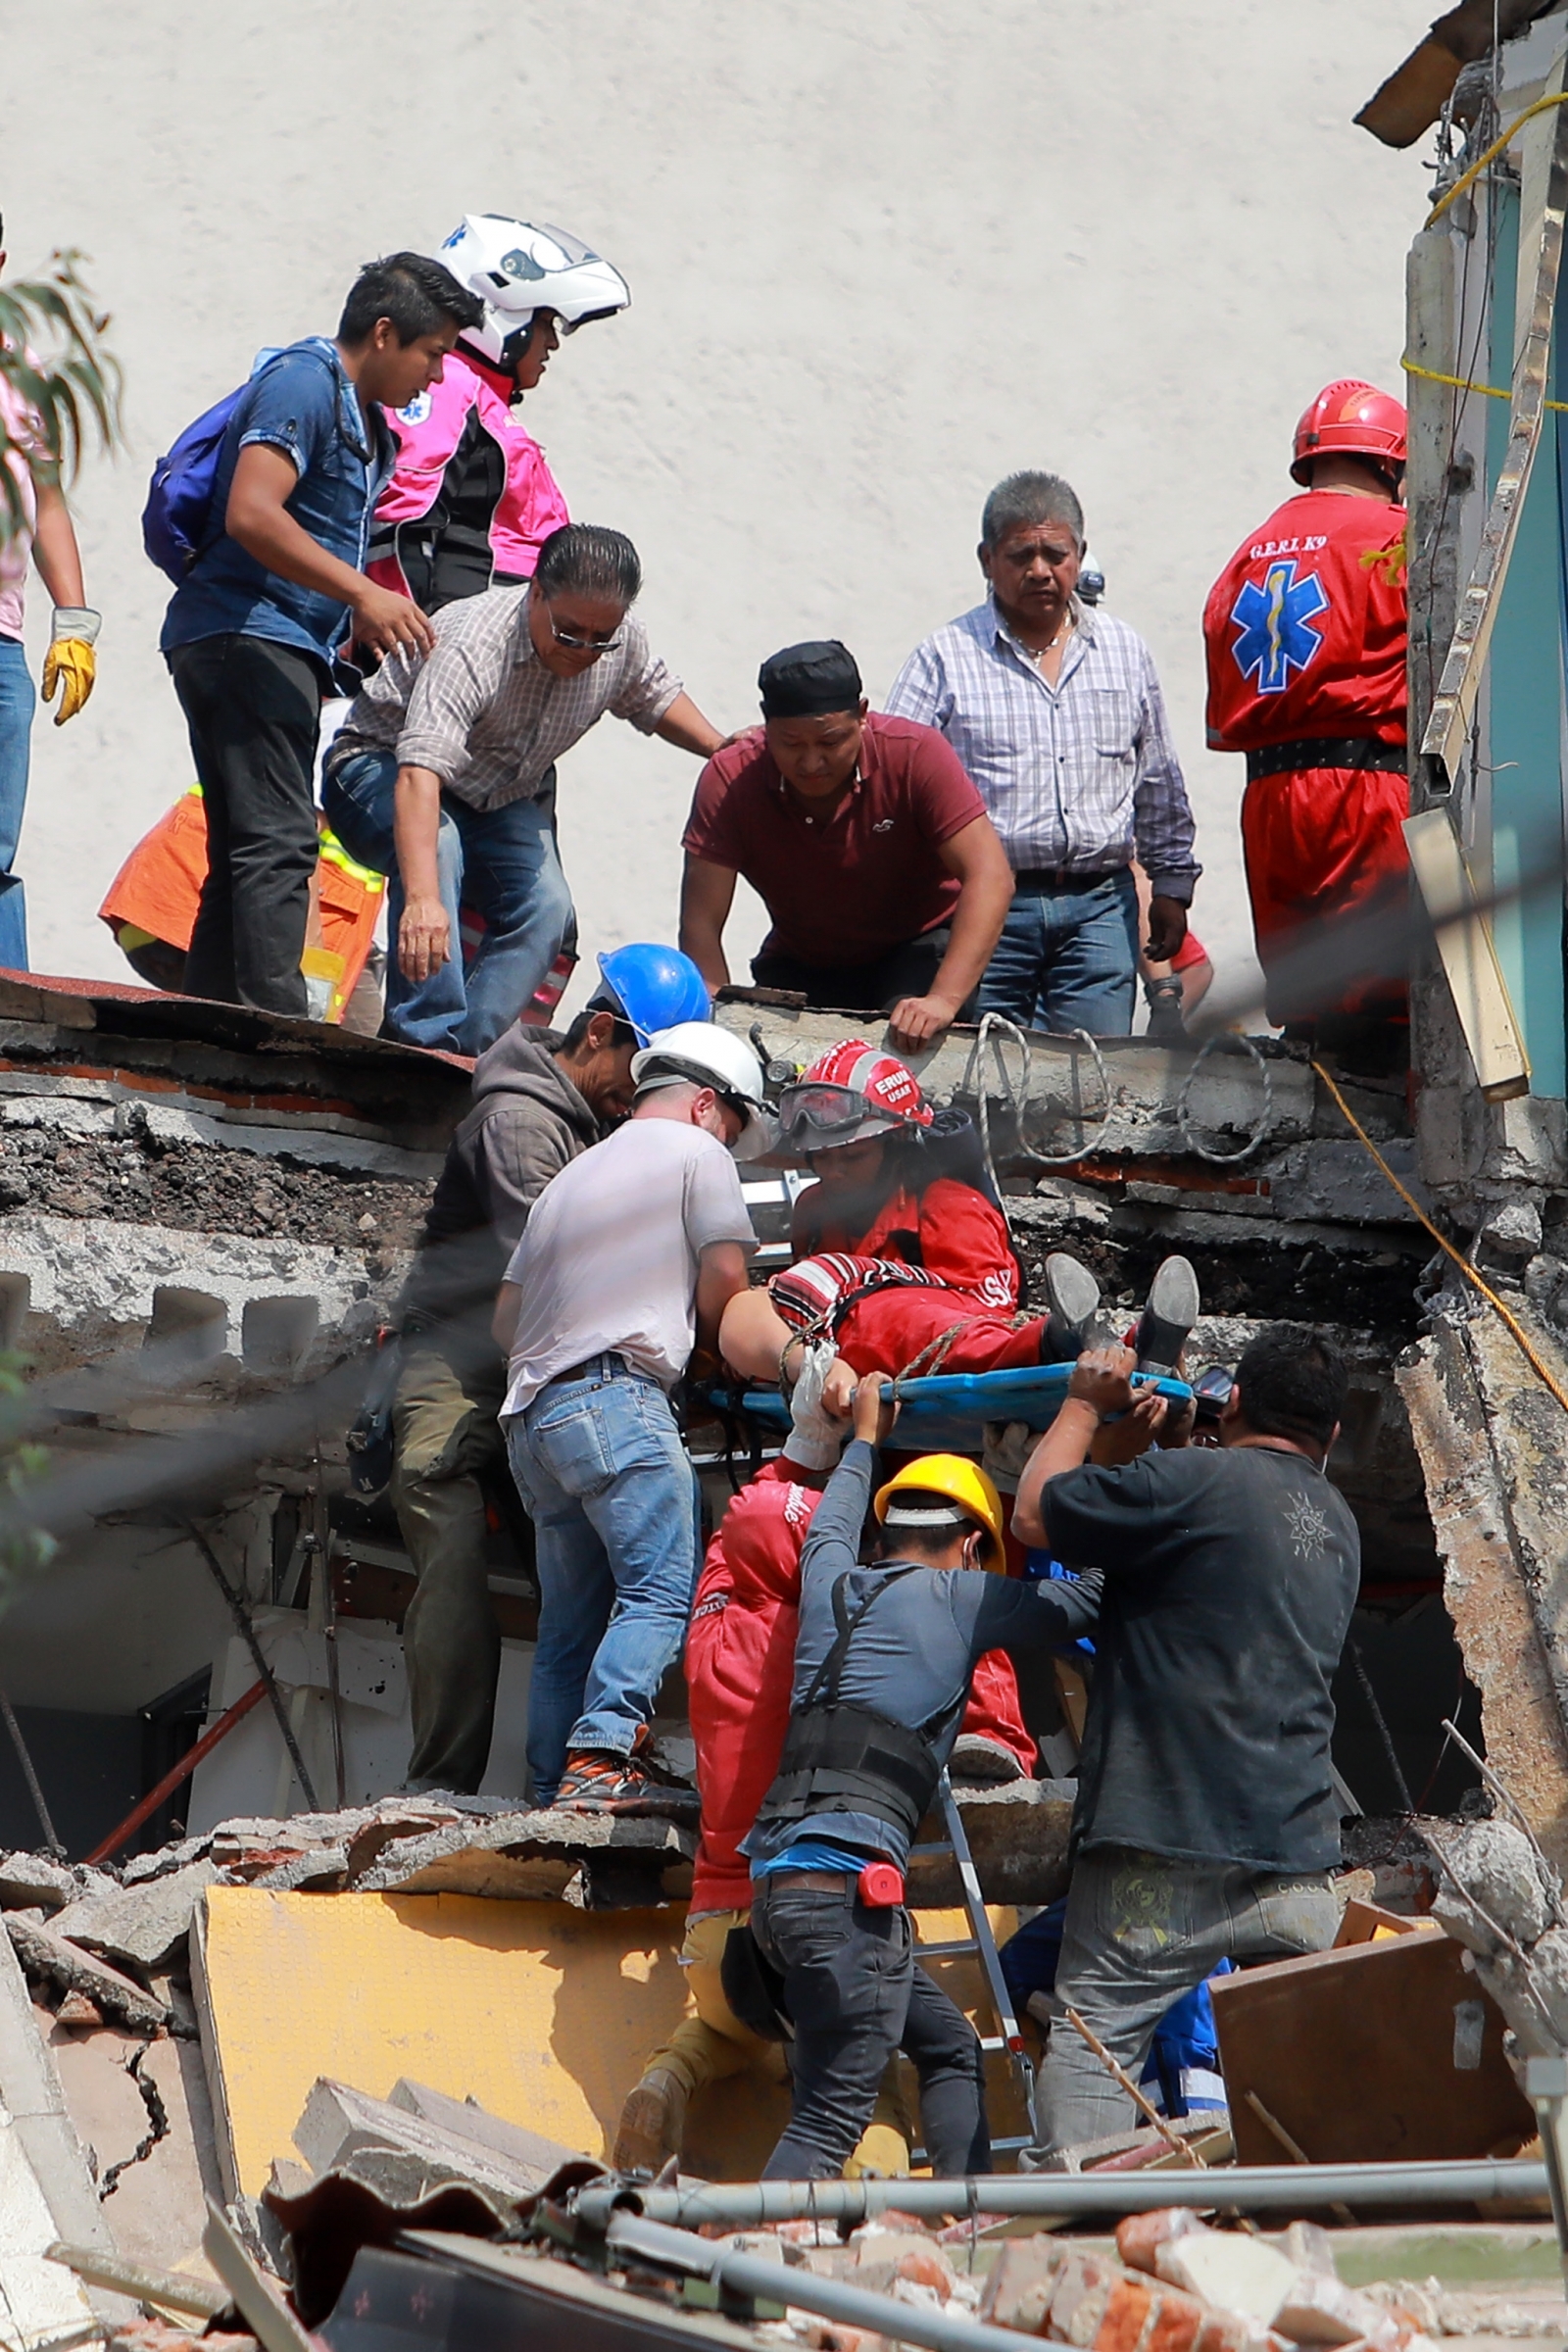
column 176, row 520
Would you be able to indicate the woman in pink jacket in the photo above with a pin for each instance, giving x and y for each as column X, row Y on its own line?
column 472, row 500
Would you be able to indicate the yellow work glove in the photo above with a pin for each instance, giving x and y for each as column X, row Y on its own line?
column 70, row 662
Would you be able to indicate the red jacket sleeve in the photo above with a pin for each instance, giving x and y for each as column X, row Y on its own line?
column 740, row 1663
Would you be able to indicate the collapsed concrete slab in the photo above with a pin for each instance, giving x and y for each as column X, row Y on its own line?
column 1494, row 1446
column 142, row 1927
column 339, row 2122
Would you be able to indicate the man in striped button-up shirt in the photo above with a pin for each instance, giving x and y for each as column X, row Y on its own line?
column 1057, row 714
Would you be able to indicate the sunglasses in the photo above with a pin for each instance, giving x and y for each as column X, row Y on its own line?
column 583, row 645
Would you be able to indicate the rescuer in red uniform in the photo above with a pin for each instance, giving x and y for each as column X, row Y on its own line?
column 1305, row 637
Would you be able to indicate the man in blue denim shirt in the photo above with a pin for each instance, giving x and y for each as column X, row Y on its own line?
column 254, row 629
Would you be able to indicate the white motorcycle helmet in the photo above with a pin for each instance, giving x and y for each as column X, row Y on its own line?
column 516, row 268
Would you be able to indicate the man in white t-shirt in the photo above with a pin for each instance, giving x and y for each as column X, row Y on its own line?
column 628, row 1261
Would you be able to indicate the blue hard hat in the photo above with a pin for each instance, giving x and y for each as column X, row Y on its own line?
column 651, row 988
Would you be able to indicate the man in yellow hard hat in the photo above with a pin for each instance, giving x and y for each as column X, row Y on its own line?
column 883, row 1657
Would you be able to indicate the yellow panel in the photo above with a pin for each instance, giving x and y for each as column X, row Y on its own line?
column 541, row 2012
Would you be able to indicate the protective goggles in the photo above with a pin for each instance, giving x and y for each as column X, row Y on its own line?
column 819, row 1113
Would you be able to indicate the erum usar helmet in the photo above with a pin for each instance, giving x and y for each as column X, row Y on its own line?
column 517, row 269
column 851, row 1092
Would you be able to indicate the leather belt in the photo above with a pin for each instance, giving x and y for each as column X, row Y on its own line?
column 826, row 1882
column 607, row 1366
column 1365, row 751
column 1035, row 880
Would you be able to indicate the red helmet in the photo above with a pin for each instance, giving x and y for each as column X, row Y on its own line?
column 850, row 1092
column 1354, row 420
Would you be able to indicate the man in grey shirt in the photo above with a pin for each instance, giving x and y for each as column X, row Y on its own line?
column 442, row 777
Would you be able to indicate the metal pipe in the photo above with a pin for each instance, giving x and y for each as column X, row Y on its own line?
column 1074, row 2195
column 751, row 2276
column 177, row 1772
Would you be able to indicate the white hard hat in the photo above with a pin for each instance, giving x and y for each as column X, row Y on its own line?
column 517, row 269
column 707, row 1056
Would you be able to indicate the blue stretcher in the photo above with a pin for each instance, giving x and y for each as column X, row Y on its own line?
column 945, row 1414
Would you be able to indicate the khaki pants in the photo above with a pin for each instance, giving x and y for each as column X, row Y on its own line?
column 714, row 2045
column 447, row 1437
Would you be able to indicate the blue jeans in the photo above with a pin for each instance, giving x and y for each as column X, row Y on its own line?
column 502, row 862
column 1069, row 959
column 613, row 1497
column 18, row 702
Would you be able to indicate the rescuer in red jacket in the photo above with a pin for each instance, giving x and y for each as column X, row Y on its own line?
column 740, row 1656
column 1305, row 637
column 898, row 1261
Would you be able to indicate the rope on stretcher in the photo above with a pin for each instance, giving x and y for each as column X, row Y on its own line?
column 1478, row 1282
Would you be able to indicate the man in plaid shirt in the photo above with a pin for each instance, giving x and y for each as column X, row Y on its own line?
column 1057, row 714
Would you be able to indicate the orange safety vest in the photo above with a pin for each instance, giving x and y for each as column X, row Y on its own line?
column 157, row 890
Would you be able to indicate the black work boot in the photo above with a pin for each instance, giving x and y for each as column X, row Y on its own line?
column 1169, row 1313
column 1073, row 1294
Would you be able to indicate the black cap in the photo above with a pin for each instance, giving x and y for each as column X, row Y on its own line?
column 805, row 680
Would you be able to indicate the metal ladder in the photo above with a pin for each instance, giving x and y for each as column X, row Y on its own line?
column 981, row 1944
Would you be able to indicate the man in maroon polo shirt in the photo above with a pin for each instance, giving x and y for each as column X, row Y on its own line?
column 864, row 839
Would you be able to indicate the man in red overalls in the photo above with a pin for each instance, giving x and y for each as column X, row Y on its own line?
column 1305, row 635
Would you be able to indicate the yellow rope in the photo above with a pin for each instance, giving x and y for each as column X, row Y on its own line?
column 1517, row 1329
column 1466, row 383
column 1468, row 178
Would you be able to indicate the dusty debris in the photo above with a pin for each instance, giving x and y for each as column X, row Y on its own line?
column 48, row 1958
column 1504, row 1906
column 1446, row 2311
column 31, row 1882
column 139, row 1178
column 340, row 2124
column 142, row 1927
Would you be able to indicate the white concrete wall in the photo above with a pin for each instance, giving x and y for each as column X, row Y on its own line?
column 879, row 257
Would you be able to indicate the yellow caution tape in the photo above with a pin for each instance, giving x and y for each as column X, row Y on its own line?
column 1466, row 383
column 1468, row 178
column 1476, row 1280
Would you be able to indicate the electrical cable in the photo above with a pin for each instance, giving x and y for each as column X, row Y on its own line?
column 1468, row 178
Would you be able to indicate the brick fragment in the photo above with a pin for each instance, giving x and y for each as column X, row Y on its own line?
column 1230, row 2272
column 1130, row 2308
column 1079, row 2300
column 1177, row 2322
column 1319, row 2310
column 925, row 2267
column 1024, row 2277
column 1140, row 2233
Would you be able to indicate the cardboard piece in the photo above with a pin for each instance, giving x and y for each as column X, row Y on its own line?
column 1368, row 2054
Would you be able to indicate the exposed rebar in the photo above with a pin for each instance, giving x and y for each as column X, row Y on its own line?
column 247, row 1633
column 34, row 1789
